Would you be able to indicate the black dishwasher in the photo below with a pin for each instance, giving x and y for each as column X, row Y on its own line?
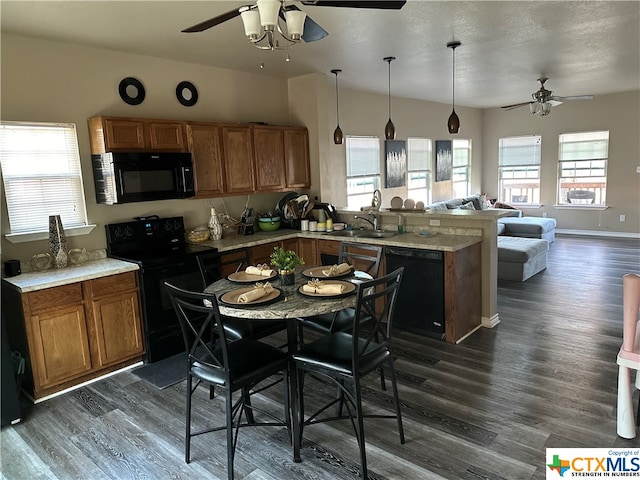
column 420, row 304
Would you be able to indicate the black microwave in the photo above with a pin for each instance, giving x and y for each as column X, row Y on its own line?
column 142, row 177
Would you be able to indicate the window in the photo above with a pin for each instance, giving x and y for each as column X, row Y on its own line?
column 419, row 171
column 461, row 167
column 363, row 170
column 582, row 168
column 42, row 176
column 519, row 169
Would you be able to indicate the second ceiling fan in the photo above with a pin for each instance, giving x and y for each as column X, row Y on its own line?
column 266, row 17
column 544, row 99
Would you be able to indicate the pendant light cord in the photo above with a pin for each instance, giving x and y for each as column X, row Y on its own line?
column 389, row 62
column 453, row 80
column 337, row 100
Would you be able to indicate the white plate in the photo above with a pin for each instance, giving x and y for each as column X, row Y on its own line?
column 396, row 202
column 409, row 204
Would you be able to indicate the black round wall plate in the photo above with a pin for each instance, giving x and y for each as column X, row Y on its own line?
column 124, row 89
column 180, row 94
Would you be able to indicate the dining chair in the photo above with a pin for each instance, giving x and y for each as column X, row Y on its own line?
column 364, row 258
column 214, row 265
column 344, row 358
column 242, row 365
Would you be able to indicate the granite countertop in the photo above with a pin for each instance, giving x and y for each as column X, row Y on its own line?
column 437, row 241
column 32, row 281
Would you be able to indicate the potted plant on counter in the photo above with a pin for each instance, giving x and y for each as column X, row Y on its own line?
column 285, row 261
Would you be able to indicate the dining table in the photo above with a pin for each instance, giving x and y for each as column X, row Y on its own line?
column 290, row 304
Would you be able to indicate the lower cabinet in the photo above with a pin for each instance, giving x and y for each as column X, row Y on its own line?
column 73, row 333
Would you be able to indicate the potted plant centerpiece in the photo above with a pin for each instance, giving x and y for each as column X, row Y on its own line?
column 285, row 261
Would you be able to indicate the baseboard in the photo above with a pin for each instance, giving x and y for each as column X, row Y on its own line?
column 598, row 233
column 491, row 322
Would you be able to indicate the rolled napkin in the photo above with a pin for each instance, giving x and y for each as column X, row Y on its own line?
column 316, row 286
column 336, row 270
column 259, row 291
column 262, row 270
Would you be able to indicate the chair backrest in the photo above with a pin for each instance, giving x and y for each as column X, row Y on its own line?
column 214, row 266
column 365, row 258
column 582, row 196
column 199, row 316
column 372, row 326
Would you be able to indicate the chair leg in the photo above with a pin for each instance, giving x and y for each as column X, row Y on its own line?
column 230, row 444
column 360, row 430
column 383, row 384
column 300, row 334
column 297, row 438
column 396, row 399
column 246, row 394
column 638, row 413
column 187, row 436
column 340, row 396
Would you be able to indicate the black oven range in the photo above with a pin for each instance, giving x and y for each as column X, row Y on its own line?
column 158, row 246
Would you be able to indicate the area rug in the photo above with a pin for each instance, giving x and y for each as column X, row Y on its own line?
column 164, row 373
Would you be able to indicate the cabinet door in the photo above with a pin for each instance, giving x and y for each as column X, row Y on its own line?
column 60, row 345
column 117, row 328
column 308, row 251
column 296, row 151
column 290, row 244
column 123, row 134
column 269, row 158
column 167, row 136
column 262, row 253
column 204, row 145
column 237, row 148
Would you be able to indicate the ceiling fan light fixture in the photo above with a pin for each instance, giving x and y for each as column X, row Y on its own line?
column 295, row 23
column 389, row 129
column 337, row 133
column 269, row 11
column 251, row 22
column 453, row 124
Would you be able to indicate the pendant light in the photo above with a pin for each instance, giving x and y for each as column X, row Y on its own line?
column 337, row 134
column 389, row 129
column 453, row 124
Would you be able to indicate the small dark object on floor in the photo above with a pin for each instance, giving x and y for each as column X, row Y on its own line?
column 164, row 373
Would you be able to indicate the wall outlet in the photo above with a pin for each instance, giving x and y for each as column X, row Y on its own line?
column 623, row 218
column 434, row 223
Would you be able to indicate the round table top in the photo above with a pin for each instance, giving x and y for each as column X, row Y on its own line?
column 290, row 305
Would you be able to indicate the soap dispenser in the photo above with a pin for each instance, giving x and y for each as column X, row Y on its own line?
column 215, row 229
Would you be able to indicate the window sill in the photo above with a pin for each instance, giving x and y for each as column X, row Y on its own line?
column 521, row 206
column 41, row 235
column 580, row 207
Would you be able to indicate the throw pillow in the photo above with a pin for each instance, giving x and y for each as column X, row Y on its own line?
column 475, row 199
column 467, row 206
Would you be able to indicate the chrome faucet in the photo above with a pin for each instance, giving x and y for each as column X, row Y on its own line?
column 373, row 220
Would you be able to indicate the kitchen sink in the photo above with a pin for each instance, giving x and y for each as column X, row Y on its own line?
column 346, row 233
column 376, row 234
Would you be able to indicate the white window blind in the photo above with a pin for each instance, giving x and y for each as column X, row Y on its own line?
column 41, row 175
column 518, row 151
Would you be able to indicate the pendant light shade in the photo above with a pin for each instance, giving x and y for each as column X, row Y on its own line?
column 337, row 133
column 453, row 124
column 389, row 129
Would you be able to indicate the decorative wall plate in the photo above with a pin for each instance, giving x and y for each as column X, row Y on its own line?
column 131, row 91
column 187, row 94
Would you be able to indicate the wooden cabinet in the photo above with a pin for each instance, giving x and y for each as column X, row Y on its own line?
column 237, row 147
column 296, row 152
column 122, row 134
column 204, row 143
column 268, row 144
column 308, row 250
column 76, row 332
column 230, row 262
column 291, row 244
column 262, row 253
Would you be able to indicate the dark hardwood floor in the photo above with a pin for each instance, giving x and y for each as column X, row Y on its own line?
column 487, row 408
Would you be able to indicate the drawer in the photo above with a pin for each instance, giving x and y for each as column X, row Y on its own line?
column 55, row 297
column 114, row 283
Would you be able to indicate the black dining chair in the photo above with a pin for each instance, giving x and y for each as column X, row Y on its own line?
column 242, row 365
column 212, row 266
column 364, row 258
column 344, row 358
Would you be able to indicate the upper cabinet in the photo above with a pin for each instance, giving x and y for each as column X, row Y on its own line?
column 118, row 134
column 205, row 144
column 296, row 152
column 237, row 147
column 268, row 146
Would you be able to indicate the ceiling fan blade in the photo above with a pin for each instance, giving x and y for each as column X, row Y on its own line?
column 574, row 97
column 212, row 22
column 311, row 31
column 377, row 4
column 516, row 105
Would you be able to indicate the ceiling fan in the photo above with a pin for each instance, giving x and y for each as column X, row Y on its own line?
column 266, row 17
column 544, row 99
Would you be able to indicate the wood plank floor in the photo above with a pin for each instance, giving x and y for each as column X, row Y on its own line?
column 486, row 408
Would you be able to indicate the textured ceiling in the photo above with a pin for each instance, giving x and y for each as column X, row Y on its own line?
column 583, row 47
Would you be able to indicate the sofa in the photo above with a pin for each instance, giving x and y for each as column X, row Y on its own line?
column 477, row 201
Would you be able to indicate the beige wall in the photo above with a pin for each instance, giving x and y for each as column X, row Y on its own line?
column 618, row 113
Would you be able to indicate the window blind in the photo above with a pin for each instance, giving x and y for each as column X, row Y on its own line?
column 41, row 174
column 584, row 146
column 517, row 151
column 419, row 150
column 363, row 156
